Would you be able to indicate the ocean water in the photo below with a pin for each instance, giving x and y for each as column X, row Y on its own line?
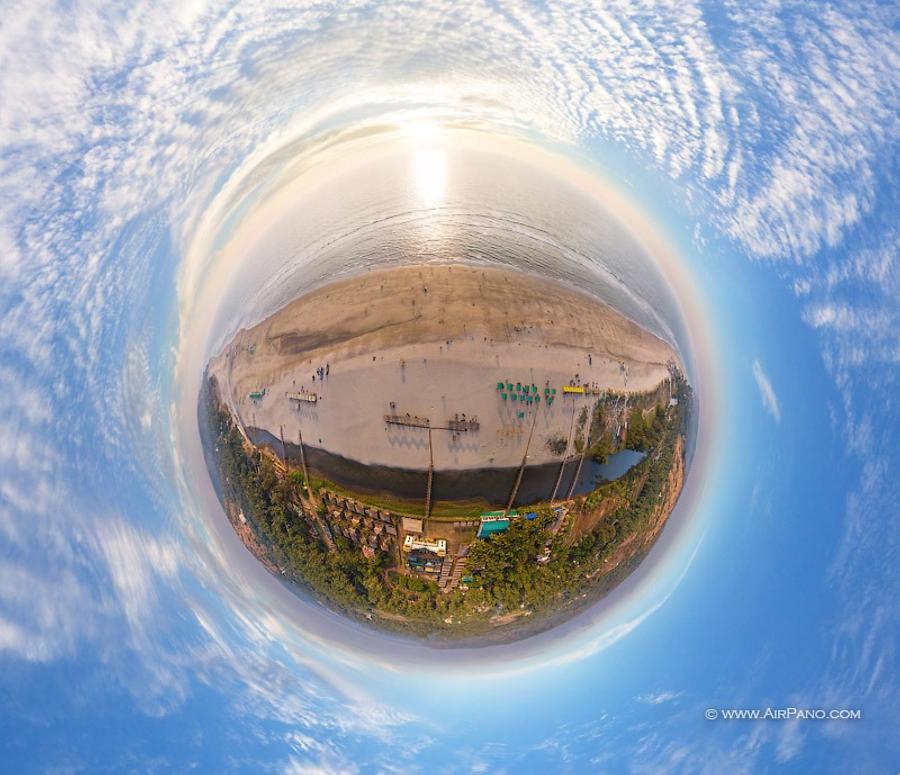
column 487, row 211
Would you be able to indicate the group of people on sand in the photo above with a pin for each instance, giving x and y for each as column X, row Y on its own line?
column 322, row 372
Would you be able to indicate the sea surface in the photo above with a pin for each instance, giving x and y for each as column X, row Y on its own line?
column 490, row 211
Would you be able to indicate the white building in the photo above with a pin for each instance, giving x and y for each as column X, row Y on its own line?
column 439, row 546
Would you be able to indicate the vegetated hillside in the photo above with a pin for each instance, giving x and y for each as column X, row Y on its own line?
column 508, row 593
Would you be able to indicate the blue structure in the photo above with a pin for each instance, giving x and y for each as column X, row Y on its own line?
column 491, row 525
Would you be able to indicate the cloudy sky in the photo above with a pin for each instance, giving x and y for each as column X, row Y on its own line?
column 760, row 139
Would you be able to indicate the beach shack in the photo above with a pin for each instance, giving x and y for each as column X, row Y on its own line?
column 437, row 547
column 412, row 525
column 303, row 395
column 424, row 562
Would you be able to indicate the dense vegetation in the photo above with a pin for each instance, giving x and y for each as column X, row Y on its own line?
column 268, row 502
column 504, row 576
column 557, row 444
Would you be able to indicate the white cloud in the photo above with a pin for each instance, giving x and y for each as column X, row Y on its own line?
column 766, row 391
column 658, row 698
column 115, row 128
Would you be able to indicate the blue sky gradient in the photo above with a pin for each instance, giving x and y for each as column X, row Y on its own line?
column 758, row 140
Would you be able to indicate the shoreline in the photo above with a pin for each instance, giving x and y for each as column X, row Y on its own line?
column 433, row 342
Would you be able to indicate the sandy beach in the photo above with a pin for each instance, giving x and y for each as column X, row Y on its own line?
column 434, row 342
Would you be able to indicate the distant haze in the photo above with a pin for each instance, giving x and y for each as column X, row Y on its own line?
column 439, row 205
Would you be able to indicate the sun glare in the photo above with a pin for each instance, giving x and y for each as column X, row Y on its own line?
column 429, row 175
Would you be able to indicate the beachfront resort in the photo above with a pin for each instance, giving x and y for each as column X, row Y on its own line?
column 449, row 450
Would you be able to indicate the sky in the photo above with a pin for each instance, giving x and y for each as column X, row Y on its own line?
column 750, row 147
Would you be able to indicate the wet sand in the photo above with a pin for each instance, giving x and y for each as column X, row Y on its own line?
column 434, row 340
